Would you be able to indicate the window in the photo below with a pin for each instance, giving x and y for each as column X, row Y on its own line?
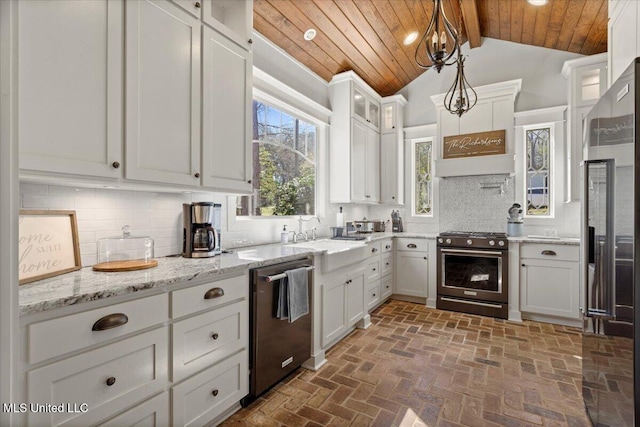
column 538, row 181
column 422, row 182
column 284, row 165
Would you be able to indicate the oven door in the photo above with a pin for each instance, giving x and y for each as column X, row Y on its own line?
column 473, row 274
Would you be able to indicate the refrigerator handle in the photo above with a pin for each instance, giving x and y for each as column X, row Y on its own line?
column 599, row 306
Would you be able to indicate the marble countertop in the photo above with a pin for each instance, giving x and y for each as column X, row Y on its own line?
column 88, row 285
column 548, row 240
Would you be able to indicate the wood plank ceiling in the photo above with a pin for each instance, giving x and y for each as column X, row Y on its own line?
column 367, row 36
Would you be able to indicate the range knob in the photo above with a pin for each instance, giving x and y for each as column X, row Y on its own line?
column 501, row 243
column 469, row 242
column 440, row 240
column 491, row 243
column 448, row 241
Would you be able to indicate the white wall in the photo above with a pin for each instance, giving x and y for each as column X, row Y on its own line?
column 495, row 61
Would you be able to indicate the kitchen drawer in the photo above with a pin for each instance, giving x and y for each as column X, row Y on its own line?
column 137, row 366
column 205, row 339
column 209, row 295
column 373, row 270
column 205, row 396
column 373, row 296
column 409, row 244
column 65, row 334
column 386, row 266
column 386, row 286
column 550, row 252
column 386, row 246
column 152, row 413
column 374, row 248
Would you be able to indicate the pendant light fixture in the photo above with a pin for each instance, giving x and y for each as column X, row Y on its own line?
column 461, row 97
column 440, row 40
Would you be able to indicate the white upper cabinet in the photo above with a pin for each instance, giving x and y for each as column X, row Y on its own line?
column 233, row 18
column 365, row 107
column 226, row 109
column 623, row 37
column 70, row 87
column 392, row 151
column 163, row 93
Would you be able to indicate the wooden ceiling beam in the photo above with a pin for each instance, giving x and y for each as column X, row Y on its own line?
column 471, row 22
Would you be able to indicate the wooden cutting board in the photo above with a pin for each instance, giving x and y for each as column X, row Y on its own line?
column 136, row 264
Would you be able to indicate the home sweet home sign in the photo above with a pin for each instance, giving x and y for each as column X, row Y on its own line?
column 474, row 144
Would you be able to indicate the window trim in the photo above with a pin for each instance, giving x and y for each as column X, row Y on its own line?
column 412, row 146
column 552, row 168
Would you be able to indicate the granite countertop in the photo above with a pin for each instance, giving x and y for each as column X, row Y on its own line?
column 548, row 240
column 88, row 285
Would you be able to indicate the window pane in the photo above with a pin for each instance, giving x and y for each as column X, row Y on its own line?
column 284, row 165
column 422, row 198
column 538, row 188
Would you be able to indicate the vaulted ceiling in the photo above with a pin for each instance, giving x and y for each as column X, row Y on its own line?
column 367, row 36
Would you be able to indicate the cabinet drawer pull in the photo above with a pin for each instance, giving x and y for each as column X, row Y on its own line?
column 215, row 392
column 215, row 336
column 110, row 321
column 214, row 293
column 548, row 252
column 412, row 245
column 111, row 381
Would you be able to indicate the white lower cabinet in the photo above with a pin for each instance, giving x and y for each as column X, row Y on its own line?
column 412, row 267
column 152, row 413
column 108, row 379
column 549, row 280
column 343, row 303
column 203, row 397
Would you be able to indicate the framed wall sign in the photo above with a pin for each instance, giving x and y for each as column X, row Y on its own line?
column 474, row 144
column 47, row 244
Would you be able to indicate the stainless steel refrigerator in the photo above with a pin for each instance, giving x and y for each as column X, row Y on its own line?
column 610, row 271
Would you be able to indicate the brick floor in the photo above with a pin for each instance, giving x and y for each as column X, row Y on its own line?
column 416, row 366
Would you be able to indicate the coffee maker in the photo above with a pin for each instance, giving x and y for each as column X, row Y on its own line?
column 201, row 229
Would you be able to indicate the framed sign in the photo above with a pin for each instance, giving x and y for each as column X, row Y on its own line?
column 47, row 244
column 474, row 144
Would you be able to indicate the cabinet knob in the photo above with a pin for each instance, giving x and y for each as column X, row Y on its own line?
column 424, row 257
column 111, row 381
column 523, row 265
column 393, row 127
column 393, row 197
column 249, row 182
column 214, row 293
column 215, row 336
column 197, row 174
column 387, row 286
column 374, row 295
column 374, row 269
column 197, row 4
column 387, row 247
column 387, row 263
column 250, row 41
column 215, row 392
column 115, row 165
column 110, row 321
column 374, row 249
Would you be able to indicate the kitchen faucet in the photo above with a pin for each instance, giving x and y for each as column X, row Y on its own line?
column 303, row 234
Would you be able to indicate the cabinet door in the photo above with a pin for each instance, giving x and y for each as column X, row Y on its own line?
column 372, row 167
column 411, row 274
column 386, row 286
column 389, row 113
column 227, row 136
column 70, row 86
column 359, row 133
column 389, row 169
column 359, row 104
column 374, row 113
column 232, row 18
column 355, row 298
column 151, row 413
column 550, row 287
column 334, row 320
column 163, row 93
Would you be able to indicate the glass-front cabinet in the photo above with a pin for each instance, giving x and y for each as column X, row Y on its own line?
column 366, row 108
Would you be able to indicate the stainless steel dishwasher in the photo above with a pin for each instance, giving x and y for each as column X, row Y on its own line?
column 276, row 346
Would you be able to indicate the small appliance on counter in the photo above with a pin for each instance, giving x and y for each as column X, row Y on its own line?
column 201, row 229
column 125, row 252
column 363, row 226
column 515, row 226
column 396, row 221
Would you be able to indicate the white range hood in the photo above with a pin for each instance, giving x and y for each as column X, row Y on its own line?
column 481, row 165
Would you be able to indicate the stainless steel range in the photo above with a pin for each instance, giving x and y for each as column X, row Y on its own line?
column 473, row 273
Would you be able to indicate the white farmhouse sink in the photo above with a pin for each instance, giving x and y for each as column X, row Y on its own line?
column 336, row 253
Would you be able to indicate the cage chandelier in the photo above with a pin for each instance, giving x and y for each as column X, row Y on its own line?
column 440, row 40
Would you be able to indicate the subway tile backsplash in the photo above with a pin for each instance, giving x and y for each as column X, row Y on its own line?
column 103, row 213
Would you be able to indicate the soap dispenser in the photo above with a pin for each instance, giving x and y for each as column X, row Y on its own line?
column 284, row 236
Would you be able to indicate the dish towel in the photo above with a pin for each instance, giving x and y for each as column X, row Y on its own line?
column 293, row 295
